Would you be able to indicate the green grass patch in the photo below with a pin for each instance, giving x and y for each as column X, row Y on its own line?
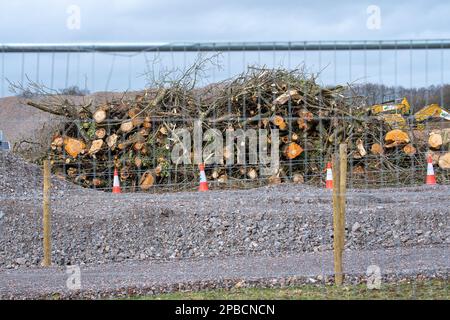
column 414, row 289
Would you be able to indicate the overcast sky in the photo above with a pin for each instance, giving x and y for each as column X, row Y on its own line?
column 210, row 20
column 226, row 20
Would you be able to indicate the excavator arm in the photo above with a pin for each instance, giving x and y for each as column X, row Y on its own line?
column 431, row 111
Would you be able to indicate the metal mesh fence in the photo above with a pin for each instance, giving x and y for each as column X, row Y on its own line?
column 391, row 65
column 301, row 99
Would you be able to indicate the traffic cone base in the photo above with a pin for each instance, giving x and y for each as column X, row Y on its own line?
column 329, row 179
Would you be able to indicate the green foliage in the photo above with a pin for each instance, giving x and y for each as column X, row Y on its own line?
column 91, row 128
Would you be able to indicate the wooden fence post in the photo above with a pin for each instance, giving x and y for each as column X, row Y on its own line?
column 339, row 197
column 336, row 222
column 342, row 191
column 46, row 217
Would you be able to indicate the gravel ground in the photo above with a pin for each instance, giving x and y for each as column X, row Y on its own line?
column 96, row 227
column 91, row 228
column 138, row 277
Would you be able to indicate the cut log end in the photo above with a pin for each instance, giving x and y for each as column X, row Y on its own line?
column 395, row 138
column 435, row 140
column 377, row 149
column 292, row 150
column 409, row 149
column 147, row 180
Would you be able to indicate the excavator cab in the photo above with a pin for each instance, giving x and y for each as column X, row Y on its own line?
column 397, row 106
column 392, row 112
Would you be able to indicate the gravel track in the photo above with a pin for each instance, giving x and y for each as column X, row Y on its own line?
column 139, row 277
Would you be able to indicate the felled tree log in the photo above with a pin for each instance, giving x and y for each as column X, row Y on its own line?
column 111, row 141
column 279, row 122
column 360, row 151
column 126, row 126
column 282, row 99
column 57, row 142
column 298, row 178
column 136, row 135
column 435, row 140
column 395, row 138
column 409, row 149
column 377, row 149
column 434, row 156
column 100, row 133
column 147, row 180
column 305, row 117
column 95, row 147
column 292, row 150
column 100, row 114
column 444, row 161
column 252, row 174
column 74, row 146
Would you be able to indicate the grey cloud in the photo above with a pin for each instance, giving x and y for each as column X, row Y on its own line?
column 202, row 20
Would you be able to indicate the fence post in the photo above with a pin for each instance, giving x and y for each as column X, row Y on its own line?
column 336, row 222
column 339, row 197
column 46, row 217
column 342, row 189
column 342, row 198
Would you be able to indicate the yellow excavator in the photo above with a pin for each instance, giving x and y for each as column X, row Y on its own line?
column 431, row 111
column 396, row 113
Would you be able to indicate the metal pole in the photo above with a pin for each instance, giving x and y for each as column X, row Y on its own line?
column 225, row 46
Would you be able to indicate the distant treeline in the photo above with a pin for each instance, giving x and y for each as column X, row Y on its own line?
column 417, row 97
column 374, row 93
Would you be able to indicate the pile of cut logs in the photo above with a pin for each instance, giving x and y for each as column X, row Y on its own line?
column 135, row 133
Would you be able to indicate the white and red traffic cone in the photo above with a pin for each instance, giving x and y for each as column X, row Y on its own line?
column 431, row 178
column 116, row 182
column 329, row 181
column 203, row 183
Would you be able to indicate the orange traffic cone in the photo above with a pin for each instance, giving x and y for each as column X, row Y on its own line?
column 431, row 178
column 329, row 181
column 116, row 182
column 203, row 182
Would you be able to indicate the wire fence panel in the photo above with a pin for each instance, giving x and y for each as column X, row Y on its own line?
column 267, row 117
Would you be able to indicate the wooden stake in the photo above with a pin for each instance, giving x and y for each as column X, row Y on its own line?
column 46, row 218
column 342, row 198
column 336, row 222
